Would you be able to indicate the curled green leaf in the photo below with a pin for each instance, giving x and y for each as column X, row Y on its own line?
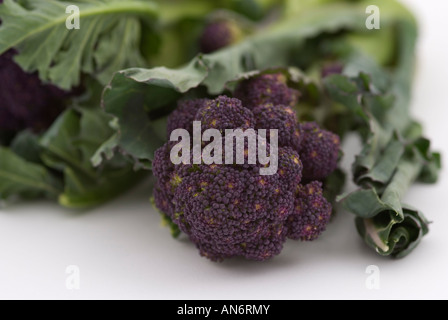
column 394, row 237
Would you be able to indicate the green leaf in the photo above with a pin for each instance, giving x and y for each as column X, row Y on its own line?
column 390, row 162
column 135, row 92
column 106, row 151
column 333, row 186
column 69, row 145
column 93, row 131
column 23, row 178
column 277, row 45
column 82, row 192
column 26, row 145
column 59, row 144
column 383, row 145
column 108, row 38
column 432, row 162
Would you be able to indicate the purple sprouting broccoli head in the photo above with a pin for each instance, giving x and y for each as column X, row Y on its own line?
column 219, row 34
column 319, row 152
column 26, row 103
column 232, row 210
column 264, row 89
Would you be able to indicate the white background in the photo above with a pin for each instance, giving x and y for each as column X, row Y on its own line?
column 124, row 253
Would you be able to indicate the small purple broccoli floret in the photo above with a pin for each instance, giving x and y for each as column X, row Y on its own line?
column 26, row 102
column 312, row 213
column 183, row 116
column 319, row 152
column 224, row 113
column 289, row 164
column 282, row 118
column 266, row 88
column 219, row 34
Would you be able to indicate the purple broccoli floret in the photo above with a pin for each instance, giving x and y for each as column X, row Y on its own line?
column 282, row 118
column 232, row 211
column 264, row 89
column 224, row 113
column 26, row 102
column 319, row 152
column 312, row 213
column 183, row 116
column 219, row 34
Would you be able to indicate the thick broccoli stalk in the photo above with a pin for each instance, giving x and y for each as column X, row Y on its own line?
column 231, row 210
column 26, row 102
column 282, row 118
column 319, row 152
column 266, row 88
column 219, row 34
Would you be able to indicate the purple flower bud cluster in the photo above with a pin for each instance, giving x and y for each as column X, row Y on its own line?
column 232, row 210
column 26, row 103
column 219, row 34
column 332, row 68
column 312, row 212
column 319, row 151
column 284, row 119
column 264, row 89
column 224, row 113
